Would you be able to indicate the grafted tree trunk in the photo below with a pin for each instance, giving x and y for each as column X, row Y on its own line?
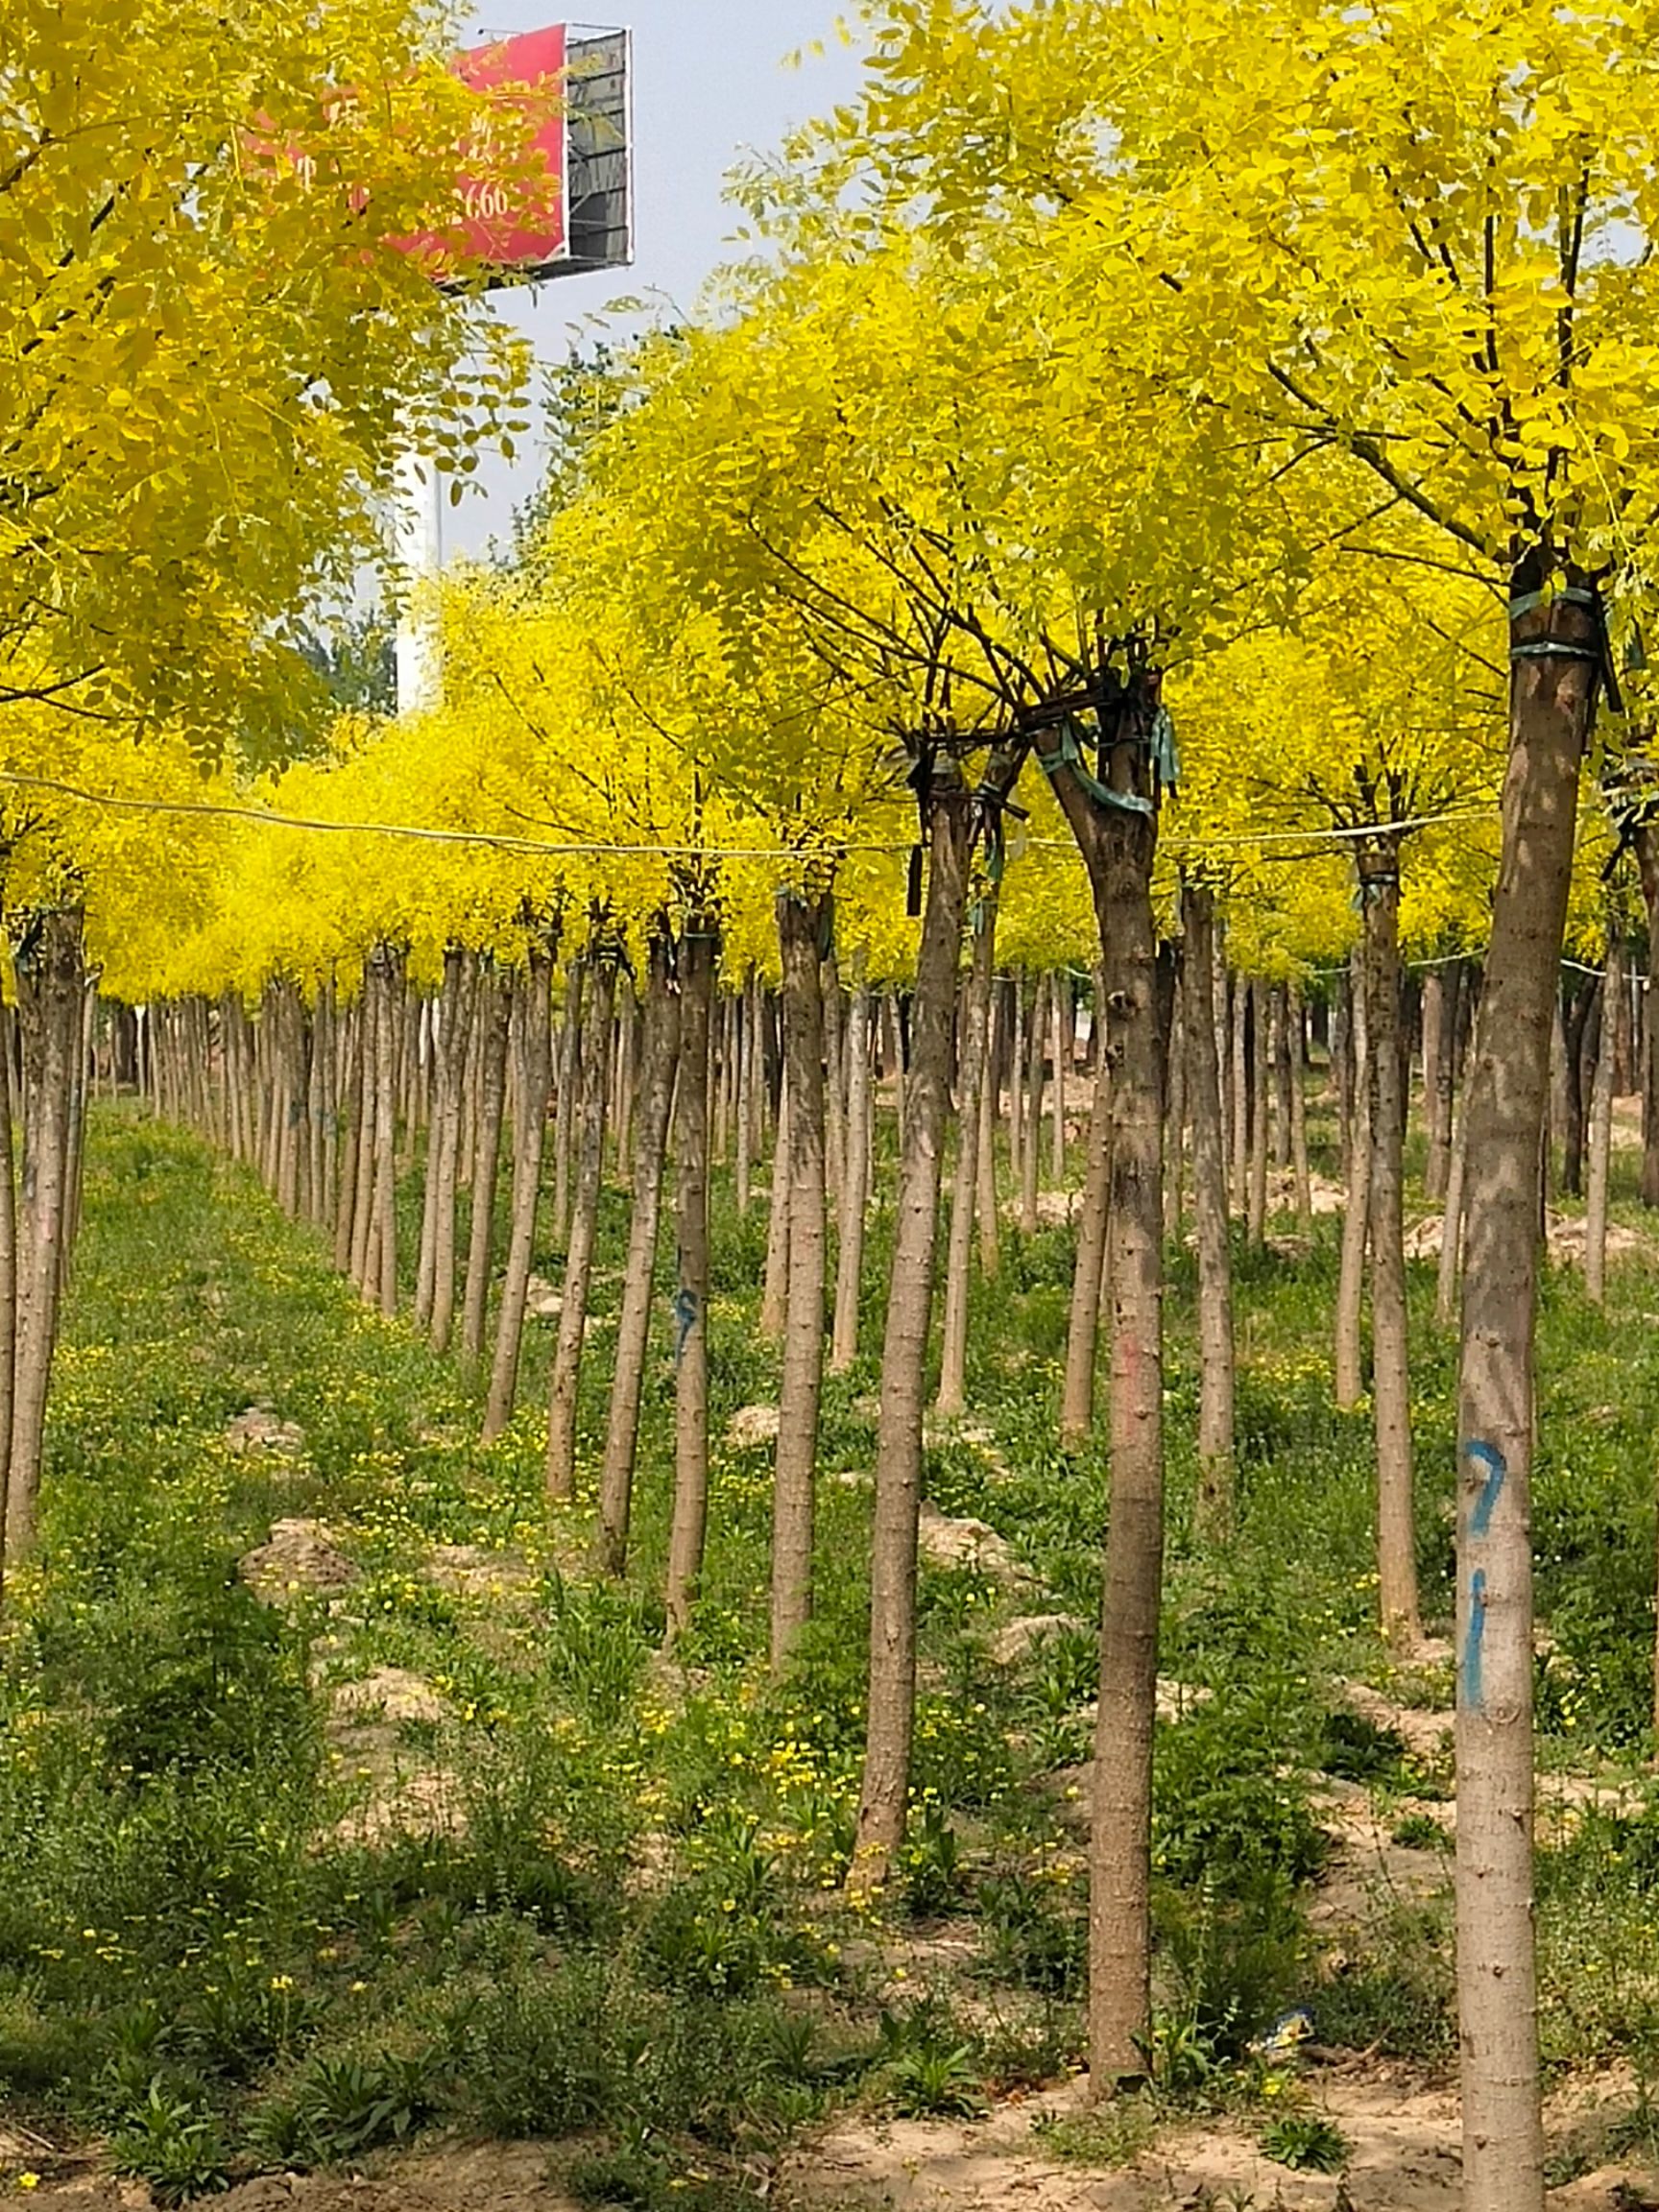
column 850, row 1255
column 659, row 1053
column 534, row 1027
column 1215, row 1354
column 1602, row 1127
column 973, row 1030
column 1551, row 713
column 891, row 1701
column 690, row 1519
column 1118, row 847
column 566, row 1380
column 801, row 927
column 1378, row 866
column 496, row 992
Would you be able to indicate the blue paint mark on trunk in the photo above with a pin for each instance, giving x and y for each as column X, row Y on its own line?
column 1496, row 1468
column 685, row 1310
column 1474, row 1687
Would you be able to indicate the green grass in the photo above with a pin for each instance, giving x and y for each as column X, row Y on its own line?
column 626, row 1928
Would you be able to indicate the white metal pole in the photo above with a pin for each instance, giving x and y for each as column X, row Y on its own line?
column 419, row 545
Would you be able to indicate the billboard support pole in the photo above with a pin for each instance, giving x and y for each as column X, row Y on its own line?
column 419, row 539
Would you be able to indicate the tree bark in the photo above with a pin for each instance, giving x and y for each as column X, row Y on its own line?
column 850, row 1255
column 801, row 929
column 48, row 964
column 659, row 1053
column 892, row 1699
column 535, row 1074
column 1031, row 1162
column 494, row 1031
column 1357, row 1208
column 690, row 1517
column 1296, row 1023
column 1551, row 713
column 974, row 1029
column 1089, row 1271
column 565, row 1379
column 775, row 1282
column 1378, row 866
column 1217, row 1372
column 1601, row 1128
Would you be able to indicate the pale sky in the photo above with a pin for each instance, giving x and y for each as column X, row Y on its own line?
column 709, row 85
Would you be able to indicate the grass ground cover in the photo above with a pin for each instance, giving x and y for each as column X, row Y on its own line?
column 398, row 1818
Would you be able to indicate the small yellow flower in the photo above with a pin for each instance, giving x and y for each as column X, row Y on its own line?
column 28, row 2180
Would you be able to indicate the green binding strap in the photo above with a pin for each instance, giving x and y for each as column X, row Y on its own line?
column 1069, row 755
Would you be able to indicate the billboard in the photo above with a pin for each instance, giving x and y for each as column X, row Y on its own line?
column 573, row 87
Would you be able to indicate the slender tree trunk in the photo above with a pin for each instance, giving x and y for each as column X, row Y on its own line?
column 48, row 966
column 1379, row 864
column 447, row 1140
column 445, row 1045
column 985, row 1145
column 775, row 1284
column 8, row 1258
column 973, row 1027
column 384, row 1232
column 1216, row 1353
column 744, row 1167
column 346, row 1195
column 1452, row 1221
column 1089, row 1271
column 1059, row 990
column 564, row 1120
column 1601, row 1128
column 566, row 1380
column 1296, row 1024
column 1261, row 1072
column 1240, row 1117
column 891, row 1701
column 535, row 1074
column 1032, row 1147
column 1552, row 713
column 1357, row 1210
column 849, row 1256
column 800, row 929
column 1176, row 1113
column 627, row 1076
column 1118, row 847
column 659, row 1052
column 497, row 991
column 1581, row 1014
column 690, row 1517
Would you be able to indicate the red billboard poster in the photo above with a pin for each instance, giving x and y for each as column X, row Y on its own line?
column 514, row 220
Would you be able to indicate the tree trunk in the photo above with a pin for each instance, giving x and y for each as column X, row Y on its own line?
column 974, row 1029
column 659, row 1053
column 564, row 1118
column 383, row 1228
column 744, row 1167
column 1260, row 1090
column 1089, row 1271
column 494, row 1026
column 1584, row 1002
column 775, row 1284
column 446, row 1136
column 535, row 1076
column 1378, row 866
column 1241, row 1117
column 1602, row 1127
column 48, row 964
column 1357, row 1209
column 1175, row 1112
column 1296, row 1023
column 443, row 1047
column 1551, row 713
column 690, row 1520
column 985, row 1146
column 892, row 1699
column 565, row 1379
column 849, row 1256
column 1452, row 1221
column 1059, row 994
column 1031, row 1163
column 801, row 928
column 9, row 1256
column 1216, row 1353
column 1118, row 847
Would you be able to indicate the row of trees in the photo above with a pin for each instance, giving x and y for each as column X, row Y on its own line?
column 1132, row 491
